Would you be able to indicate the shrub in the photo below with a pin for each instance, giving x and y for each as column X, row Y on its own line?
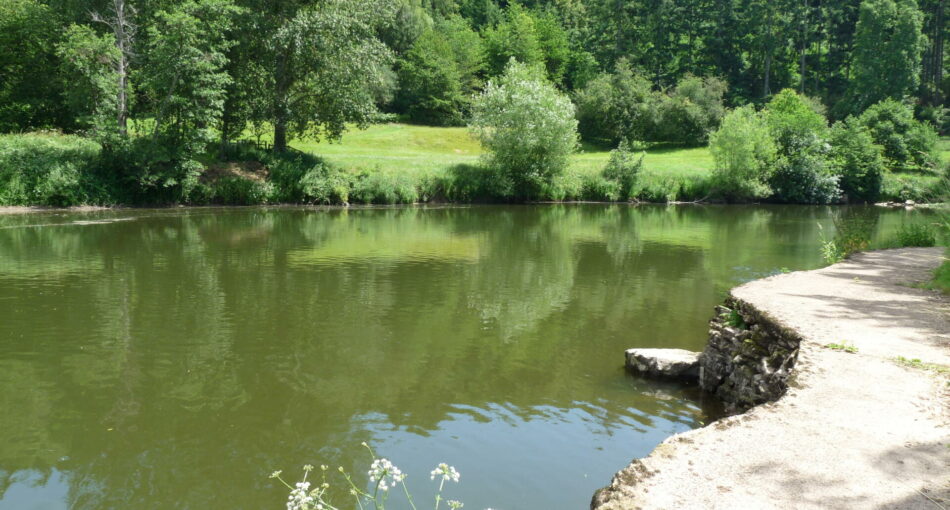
column 622, row 168
column 470, row 183
column 857, row 161
column 916, row 234
column 600, row 188
column 377, row 187
column 239, row 191
column 743, row 151
column 907, row 143
column 802, row 173
column 527, row 127
column 51, row 170
column 691, row 111
column 618, row 106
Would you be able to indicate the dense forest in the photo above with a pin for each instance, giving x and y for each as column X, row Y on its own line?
column 161, row 87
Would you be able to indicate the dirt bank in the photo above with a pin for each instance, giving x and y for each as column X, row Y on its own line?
column 854, row 430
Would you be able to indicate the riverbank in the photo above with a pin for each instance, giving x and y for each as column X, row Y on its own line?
column 384, row 164
column 865, row 422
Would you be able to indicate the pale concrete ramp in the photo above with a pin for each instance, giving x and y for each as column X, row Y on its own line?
column 854, row 430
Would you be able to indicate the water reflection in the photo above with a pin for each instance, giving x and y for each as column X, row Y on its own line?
column 172, row 359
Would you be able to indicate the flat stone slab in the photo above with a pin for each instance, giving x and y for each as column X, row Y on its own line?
column 669, row 364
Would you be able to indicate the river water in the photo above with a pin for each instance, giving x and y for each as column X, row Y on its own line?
column 175, row 358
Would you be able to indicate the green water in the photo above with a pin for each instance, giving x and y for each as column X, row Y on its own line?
column 173, row 359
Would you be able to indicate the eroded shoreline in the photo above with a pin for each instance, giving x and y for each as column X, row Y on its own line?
column 854, row 430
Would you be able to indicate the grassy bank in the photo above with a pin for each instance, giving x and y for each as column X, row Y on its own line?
column 387, row 163
column 423, row 152
column 670, row 172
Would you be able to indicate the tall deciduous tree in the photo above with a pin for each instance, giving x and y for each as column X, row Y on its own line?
column 120, row 23
column 325, row 61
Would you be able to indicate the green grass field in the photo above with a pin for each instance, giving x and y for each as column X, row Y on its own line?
column 424, row 150
column 669, row 172
column 411, row 148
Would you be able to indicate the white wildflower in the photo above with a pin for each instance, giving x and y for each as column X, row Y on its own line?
column 445, row 471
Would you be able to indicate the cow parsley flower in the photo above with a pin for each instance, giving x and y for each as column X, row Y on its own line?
column 445, row 471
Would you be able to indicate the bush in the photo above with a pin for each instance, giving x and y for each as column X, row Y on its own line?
column 802, row 174
column 616, row 107
column 527, row 127
column 51, row 170
column 744, row 152
column 916, row 234
column 907, row 143
column 857, row 161
column 691, row 111
column 622, row 169
column 239, row 191
column 377, row 187
column 470, row 183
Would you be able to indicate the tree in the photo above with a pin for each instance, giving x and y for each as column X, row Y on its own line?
column 907, row 143
column 439, row 75
column 744, row 152
column 123, row 30
column 185, row 76
column 322, row 65
column 692, row 110
column 430, row 82
column 30, row 94
column 527, row 127
column 514, row 38
column 888, row 48
column 89, row 60
column 617, row 106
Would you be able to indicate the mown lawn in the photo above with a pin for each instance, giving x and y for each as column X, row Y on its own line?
column 425, row 150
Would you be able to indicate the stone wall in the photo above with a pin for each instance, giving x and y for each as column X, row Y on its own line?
column 748, row 359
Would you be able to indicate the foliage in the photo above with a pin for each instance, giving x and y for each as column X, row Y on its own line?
column 853, row 230
column 185, row 80
column 888, row 45
column 430, row 85
column 527, row 127
column 50, row 170
column 622, row 169
column 802, row 174
column 439, row 74
column 856, row 160
column 31, row 93
column 692, row 111
column 616, row 107
column 89, row 58
column 328, row 64
column 744, row 153
column 515, row 38
column 907, row 143
column 916, row 234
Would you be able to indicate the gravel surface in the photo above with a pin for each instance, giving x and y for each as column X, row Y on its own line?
column 854, row 430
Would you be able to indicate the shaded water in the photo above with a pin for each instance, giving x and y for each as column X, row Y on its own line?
column 173, row 359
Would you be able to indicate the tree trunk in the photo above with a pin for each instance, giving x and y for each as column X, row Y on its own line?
column 766, row 90
column 280, row 135
column 123, row 29
column 804, row 35
column 123, row 40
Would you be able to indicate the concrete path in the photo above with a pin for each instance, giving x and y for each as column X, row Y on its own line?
column 855, row 430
